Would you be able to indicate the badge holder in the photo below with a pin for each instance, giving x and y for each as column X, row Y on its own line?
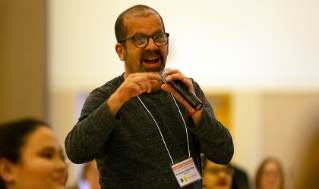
column 186, row 172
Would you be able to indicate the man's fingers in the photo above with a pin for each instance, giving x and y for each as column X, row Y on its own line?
column 155, row 84
column 142, row 82
column 177, row 75
column 169, row 88
column 152, row 75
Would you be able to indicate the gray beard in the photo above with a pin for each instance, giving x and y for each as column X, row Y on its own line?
column 149, row 53
column 159, row 70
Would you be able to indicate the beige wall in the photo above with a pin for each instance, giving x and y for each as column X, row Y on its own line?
column 23, row 79
column 290, row 122
column 273, row 124
column 230, row 44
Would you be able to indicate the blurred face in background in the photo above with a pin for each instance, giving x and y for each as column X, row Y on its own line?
column 217, row 176
column 270, row 176
column 42, row 164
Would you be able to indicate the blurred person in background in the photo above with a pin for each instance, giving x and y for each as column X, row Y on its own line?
column 223, row 176
column 30, row 156
column 216, row 176
column 270, row 175
column 90, row 178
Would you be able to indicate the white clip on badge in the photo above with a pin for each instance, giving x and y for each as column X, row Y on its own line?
column 186, row 172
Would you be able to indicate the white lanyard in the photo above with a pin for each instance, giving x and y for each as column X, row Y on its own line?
column 160, row 129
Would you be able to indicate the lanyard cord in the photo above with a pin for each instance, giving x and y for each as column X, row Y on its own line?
column 160, row 129
column 189, row 154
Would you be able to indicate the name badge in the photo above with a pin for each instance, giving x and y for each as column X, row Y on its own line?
column 186, row 172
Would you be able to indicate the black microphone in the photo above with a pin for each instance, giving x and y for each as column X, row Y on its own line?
column 184, row 91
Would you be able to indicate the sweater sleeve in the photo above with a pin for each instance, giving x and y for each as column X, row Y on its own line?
column 92, row 130
column 215, row 140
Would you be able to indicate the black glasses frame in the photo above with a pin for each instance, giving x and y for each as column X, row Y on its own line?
column 152, row 36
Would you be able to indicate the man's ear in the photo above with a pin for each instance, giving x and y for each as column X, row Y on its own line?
column 7, row 170
column 120, row 51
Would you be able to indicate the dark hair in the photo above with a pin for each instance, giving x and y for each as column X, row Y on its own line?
column 260, row 170
column 135, row 11
column 13, row 136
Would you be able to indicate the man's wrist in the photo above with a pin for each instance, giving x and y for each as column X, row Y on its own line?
column 114, row 104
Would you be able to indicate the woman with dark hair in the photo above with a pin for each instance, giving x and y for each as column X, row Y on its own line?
column 270, row 175
column 30, row 156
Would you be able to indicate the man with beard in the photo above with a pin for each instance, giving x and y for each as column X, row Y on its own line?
column 141, row 133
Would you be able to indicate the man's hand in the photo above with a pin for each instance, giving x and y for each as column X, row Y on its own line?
column 174, row 74
column 134, row 85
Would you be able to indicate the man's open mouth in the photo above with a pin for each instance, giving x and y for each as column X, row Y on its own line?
column 151, row 60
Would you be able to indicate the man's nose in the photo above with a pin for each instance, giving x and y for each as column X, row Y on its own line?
column 151, row 45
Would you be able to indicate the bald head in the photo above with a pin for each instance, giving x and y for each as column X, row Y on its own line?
column 136, row 11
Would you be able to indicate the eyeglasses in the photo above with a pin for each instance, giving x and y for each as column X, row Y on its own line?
column 216, row 171
column 141, row 40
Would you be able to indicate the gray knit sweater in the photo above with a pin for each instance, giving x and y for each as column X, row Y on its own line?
column 128, row 148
